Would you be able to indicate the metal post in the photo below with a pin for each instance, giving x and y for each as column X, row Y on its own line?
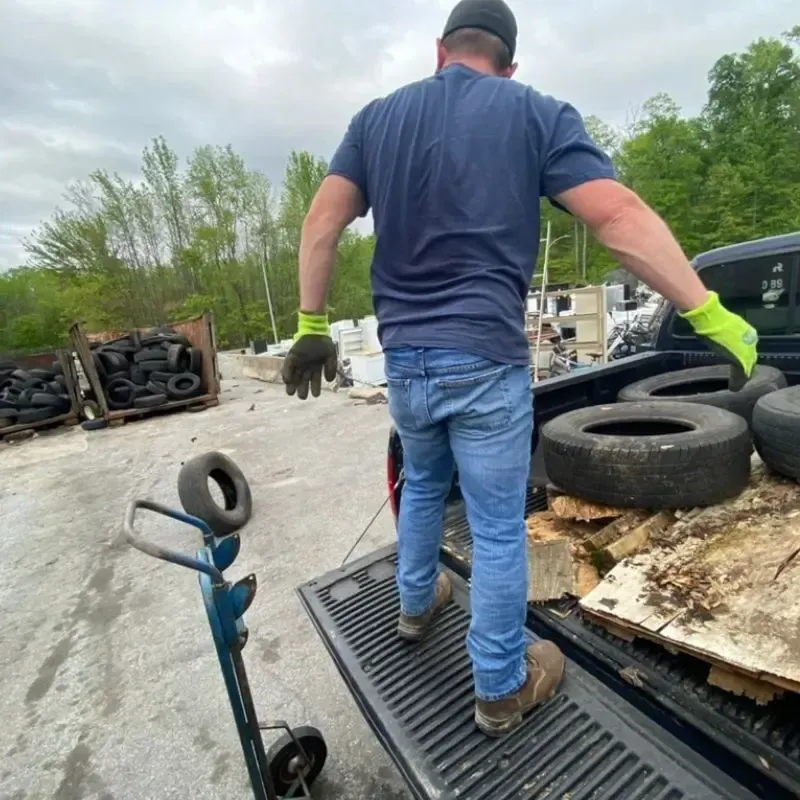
column 264, row 260
column 541, row 306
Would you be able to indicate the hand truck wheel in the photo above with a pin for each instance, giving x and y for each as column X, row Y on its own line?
column 291, row 766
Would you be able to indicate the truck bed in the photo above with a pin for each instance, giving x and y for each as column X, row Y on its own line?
column 759, row 744
column 671, row 689
column 587, row 743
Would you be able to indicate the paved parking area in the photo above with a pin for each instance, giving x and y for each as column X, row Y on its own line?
column 110, row 683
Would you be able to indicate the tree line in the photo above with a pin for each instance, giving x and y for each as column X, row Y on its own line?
column 215, row 235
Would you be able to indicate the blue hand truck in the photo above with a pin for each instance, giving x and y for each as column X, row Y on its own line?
column 296, row 759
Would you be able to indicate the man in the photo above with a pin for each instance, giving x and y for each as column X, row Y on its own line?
column 454, row 167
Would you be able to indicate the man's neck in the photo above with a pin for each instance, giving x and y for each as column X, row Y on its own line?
column 471, row 62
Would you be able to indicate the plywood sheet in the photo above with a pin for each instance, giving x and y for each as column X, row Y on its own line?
column 710, row 584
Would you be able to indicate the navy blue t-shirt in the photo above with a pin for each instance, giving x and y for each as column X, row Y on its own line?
column 454, row 167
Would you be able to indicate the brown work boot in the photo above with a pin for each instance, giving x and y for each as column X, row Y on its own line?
column 545, row 671
column 414, row 628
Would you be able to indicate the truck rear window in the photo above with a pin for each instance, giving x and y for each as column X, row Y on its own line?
column 756, row 289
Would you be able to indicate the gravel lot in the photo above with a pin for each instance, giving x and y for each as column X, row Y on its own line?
column 110, row 683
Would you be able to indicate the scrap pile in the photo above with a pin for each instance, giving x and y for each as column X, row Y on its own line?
column 692, row 537
column 31, row 395
column 148, row 370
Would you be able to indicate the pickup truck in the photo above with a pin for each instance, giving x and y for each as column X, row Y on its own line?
column 631, row 720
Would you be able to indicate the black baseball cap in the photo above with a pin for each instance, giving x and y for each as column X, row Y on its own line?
column 492, row 16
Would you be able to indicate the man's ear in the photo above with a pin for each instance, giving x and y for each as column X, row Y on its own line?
column 509, row 73
column 441, row 55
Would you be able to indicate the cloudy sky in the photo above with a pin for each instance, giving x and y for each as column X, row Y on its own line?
column 86, row 84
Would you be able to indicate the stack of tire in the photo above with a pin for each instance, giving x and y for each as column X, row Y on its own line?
column 675, row 440
column 148, row 370
column 31, row 395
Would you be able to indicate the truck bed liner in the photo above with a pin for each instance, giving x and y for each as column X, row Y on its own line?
column 585, row 744
column 765, row 737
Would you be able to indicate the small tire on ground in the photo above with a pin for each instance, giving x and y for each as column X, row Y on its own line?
column 776, row 431
column 150, row 401
column 197, row 500
column 706, row 385
column 94, row 424
column 183, row 386
column 284, row 759
column 650, row 455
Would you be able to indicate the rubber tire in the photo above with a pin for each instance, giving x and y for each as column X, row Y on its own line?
column 176, row 392
column 197, row 500
column 42, row 374
column 48, row 400
column 6, row 422
column 149, row 354
column 113, row 361
column 153, row 366
column 57, row 368
column 94, row 424
column 112, row 388
column 138, row 376
column 196, row 361
column 284, row 750
column 156, row 387
column 28, row 415
column 698, row 467
column 177, row 358
column 776, row 431
column 763, row 381
column 21, row 375
column 8, row 413
column 150, row 401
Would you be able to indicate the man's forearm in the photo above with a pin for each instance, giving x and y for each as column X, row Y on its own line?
column 317, row 257
column 645, row 246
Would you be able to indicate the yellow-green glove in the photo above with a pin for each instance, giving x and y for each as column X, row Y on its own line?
column 727, row 333
column 313, row 353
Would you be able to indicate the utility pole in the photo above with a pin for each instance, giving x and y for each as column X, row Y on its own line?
column 264, row 261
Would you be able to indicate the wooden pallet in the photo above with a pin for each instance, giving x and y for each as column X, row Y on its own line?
column 124, row 415
column 721, row 585
column 13, row 431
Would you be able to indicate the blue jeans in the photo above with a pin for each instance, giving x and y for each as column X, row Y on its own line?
column 452, row 409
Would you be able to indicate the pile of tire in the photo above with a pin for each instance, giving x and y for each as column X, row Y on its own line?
column 148, row 370
column 776, row 431
column 675, row 440
column 31, row 395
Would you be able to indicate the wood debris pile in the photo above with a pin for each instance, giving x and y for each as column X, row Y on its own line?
column 574, row 543
column 687, row 575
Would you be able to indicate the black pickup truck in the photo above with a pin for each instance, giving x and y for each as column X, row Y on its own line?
column 666, row 735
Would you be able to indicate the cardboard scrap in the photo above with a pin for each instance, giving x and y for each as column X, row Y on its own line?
column 568, row 507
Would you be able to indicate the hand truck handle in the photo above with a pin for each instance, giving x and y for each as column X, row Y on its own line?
column 165, row 554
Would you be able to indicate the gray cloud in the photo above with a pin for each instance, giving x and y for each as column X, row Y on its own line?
column 86, row 84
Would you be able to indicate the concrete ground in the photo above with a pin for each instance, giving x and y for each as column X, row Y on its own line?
column 110, row 686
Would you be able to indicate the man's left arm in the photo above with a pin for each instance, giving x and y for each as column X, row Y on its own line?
column 341, row 198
